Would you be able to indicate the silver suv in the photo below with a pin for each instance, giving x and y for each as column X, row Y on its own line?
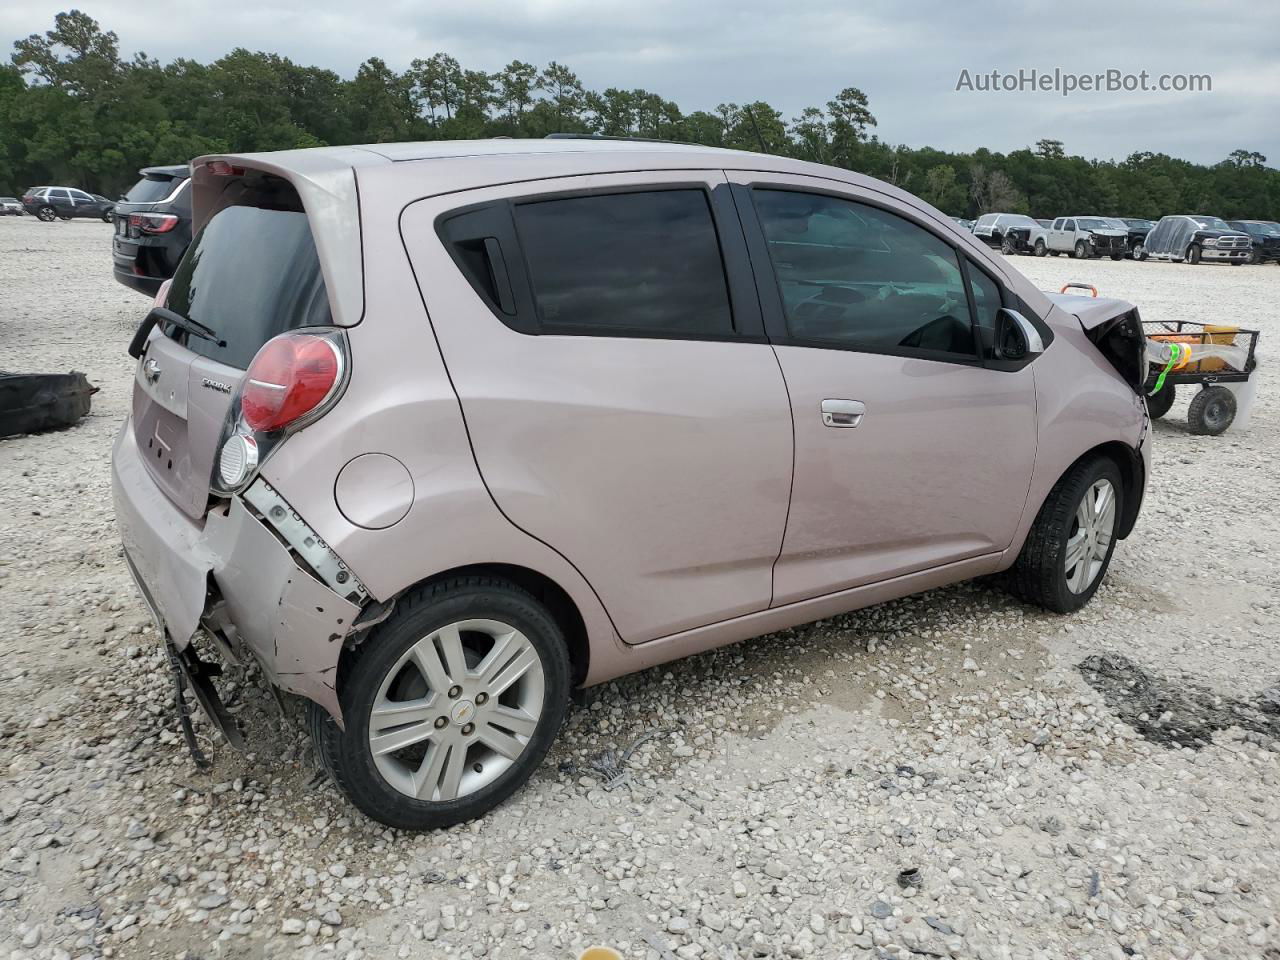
column 1086, row 237
column 438, row 432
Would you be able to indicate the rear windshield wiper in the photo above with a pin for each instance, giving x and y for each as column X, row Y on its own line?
column 165, row 315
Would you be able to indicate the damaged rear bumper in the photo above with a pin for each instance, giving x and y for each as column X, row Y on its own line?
column 235, row 576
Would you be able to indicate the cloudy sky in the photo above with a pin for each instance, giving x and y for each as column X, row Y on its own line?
column 907, row 56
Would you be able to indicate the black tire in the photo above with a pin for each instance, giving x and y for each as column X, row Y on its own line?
column 347, row 756
column 1139, row 251
column 1158, row 404
column 1040, row 249
column 65, row 217
column 1212, row 411
column 46, row 214
column 1055, row 253
column 106, row 216
column 1255, row 255
column 1007, row 247
column 1039, row 574
column 1081, row 251
column 1193, row 253
column 1117, row 256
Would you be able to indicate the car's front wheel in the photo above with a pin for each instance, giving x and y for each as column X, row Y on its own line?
column 450, row 704
column 1040, row 248
column 1069, row 548
column 1081, row 251
column 106, row 216
column 1193, row 253
column 1139, row 251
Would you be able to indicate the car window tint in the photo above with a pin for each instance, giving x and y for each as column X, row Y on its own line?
column 986, row 297
column 81, row 196
column 640, row 263
column 1069, row 225
column 856, row 276
column 150, row 189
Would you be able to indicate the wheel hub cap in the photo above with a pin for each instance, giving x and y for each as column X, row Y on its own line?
column 1090, row 535
column 457, row 710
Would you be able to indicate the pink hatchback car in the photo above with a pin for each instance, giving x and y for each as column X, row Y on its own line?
column 438, row 432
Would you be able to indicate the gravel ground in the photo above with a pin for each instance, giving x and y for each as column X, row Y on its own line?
column 950, row 775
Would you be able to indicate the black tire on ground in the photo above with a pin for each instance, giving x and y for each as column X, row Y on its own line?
column 1039, row 574
column 1193, row 253
column 1212, row 410
column 347, row 756
column 47, row 214
column 1007, row 247
column 1117, row 256
column 64, row 216
column 106, row 216
column 1081, row 252
column 1055, row 253
column 1040, row 249
column 1139, row 251
column 1158, row 404
column 1255, row 255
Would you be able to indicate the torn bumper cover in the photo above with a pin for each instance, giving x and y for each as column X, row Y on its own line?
column 267, row 603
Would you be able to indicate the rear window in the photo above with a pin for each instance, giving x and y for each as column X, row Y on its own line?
column 644, row 263
column 150, row 190
column 249, row 275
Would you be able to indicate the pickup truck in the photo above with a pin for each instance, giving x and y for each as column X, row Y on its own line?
column 1086, row 237
column 1010, row 233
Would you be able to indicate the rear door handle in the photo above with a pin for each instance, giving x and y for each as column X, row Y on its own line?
column 842, row 413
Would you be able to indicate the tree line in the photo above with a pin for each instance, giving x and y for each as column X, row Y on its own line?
column 74, row 111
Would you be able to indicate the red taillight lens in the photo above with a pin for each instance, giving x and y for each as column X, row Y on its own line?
column 220, row 168
column 157, row 222
column 291, row 375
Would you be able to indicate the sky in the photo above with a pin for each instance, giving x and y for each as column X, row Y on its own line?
column 908, row 57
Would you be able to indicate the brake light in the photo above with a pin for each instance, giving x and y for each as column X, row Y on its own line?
column 155, row 222
column 291, row 376
column 220, row 168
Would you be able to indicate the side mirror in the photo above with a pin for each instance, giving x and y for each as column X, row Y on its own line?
column 1016, row 338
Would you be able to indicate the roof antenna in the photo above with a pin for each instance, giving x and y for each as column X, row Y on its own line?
column 752, row 117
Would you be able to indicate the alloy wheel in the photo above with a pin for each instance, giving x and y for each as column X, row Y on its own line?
column 1092, row 528
column 456, row 710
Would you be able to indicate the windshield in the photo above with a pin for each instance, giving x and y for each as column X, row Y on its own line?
column 1093, row 223
column 1211, row 223
column 1140, row 224
column 1018, row 220
column 150, row 190
column 249, row 275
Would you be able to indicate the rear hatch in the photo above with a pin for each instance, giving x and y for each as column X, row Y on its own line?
column 161, row 190
column 251, row 273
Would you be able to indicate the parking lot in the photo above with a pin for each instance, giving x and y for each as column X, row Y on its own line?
column 1094, row 786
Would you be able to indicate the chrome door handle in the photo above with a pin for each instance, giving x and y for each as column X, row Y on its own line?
column 842, row 413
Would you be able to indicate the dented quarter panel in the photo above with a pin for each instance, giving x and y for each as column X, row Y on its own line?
column 293, row 624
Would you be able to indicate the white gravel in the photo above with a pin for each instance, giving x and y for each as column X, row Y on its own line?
column 953, row 733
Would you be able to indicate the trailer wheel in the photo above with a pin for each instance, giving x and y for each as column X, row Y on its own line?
column 1158, row 404
column 1213, row 409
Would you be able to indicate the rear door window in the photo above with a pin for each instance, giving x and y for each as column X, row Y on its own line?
column 643, row 263
column 249, row 275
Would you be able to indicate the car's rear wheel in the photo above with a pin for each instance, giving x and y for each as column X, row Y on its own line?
column 1117, row 256
column 1212, row 411
column 47, row 214
column 1158, row 404
column 1069, row 548
column 449, row 706
column 1081, row 251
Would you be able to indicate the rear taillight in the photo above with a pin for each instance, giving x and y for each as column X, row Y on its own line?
column 153, row 222
column 291, row 376
column 291, row 381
